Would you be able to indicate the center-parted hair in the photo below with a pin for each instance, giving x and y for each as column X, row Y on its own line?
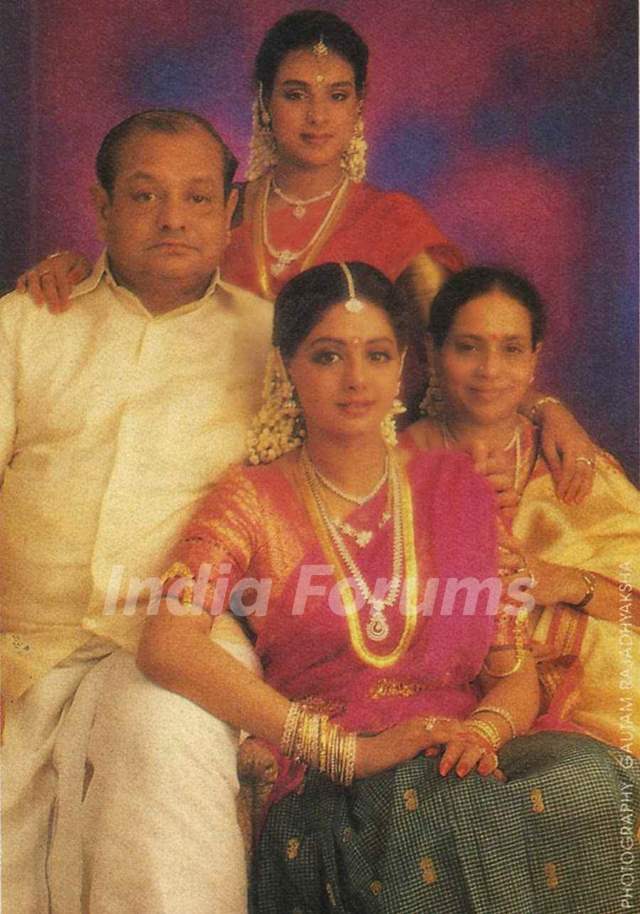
column 303, row 29
column 157, row 120
column 304, row 300
column 468, row 284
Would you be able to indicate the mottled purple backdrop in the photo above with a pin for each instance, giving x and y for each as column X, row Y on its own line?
column 513, row 120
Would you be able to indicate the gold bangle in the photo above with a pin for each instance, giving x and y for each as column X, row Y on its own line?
column 289, row 731
column 533, row 412
column 520, row 625
column 315, row 741
column 499, row 712
column 488, row 732
column 590, row 583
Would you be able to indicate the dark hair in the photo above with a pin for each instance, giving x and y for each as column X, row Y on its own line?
column 474, row 281
column 303, row 301
column 157, row 120
column 303, row 29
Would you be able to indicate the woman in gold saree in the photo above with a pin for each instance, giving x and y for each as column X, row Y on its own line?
column 485, row 335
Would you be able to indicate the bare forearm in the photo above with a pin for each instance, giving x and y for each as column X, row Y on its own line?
column 184, row 660
column 609, row 598
column 518, row 695
column 601, row 597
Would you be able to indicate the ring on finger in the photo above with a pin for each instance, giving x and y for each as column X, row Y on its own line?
column 55, row 254
column 588, row 460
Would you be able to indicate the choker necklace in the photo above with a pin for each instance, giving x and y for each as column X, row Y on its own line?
column 284, row 258
column 449, row 439
column 377, row 627
column 299, row 205
column 352, row 499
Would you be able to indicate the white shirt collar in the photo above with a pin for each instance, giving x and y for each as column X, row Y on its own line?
column 101, row 271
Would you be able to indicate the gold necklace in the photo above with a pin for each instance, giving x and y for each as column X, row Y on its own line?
column 284, row 258
column 404, row 510
column 347, row 496
column 299, row 205
column 259, row 247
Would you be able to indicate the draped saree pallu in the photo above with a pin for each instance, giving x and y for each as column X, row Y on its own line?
column 587, row 666
column 406, row 840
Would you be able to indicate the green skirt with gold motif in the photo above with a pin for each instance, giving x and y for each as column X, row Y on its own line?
column 560, row 837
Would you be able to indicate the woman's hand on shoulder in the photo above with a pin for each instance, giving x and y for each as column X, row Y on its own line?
column 51, row 280
column 568, row 450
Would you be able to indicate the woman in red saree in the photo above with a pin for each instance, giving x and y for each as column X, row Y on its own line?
column 306, row 202
column 367, row 578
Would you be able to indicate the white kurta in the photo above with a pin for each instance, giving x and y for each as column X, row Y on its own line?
column 113, row 424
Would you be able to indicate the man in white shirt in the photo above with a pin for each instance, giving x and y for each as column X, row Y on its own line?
column 115, row 419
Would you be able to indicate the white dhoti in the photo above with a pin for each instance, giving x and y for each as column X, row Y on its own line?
column 120, row 796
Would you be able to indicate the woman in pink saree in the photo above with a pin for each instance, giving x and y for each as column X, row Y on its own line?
column 367, row 579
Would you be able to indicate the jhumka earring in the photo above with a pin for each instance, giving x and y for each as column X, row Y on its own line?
column 279, row 426
column 433, row 404
column 354, row 158
column 263, row 153
column 388, row 424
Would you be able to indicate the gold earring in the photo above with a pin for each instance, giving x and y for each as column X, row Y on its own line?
column 432, row 404
column 263, row 152
column 354, row 158
column 388, row 424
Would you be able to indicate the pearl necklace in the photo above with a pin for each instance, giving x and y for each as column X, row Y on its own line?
column 353, row 499
column 285, row 257
column 515, row 441
column 299, row 205
column 377, row 627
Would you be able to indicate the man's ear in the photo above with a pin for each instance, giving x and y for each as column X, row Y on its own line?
column 102, row 208
column 230, row 208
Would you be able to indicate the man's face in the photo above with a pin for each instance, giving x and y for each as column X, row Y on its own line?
column 166, row 221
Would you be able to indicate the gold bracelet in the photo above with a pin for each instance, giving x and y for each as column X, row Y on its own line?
column 533, row 412
column 487, row 731
column 520, row 625
column 499, row 712
column 590, row 582
column 315, row 741
column 289, row 731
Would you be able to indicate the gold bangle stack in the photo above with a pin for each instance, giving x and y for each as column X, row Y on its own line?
column 487, row 732
column 499, row 712
column 314, row 740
